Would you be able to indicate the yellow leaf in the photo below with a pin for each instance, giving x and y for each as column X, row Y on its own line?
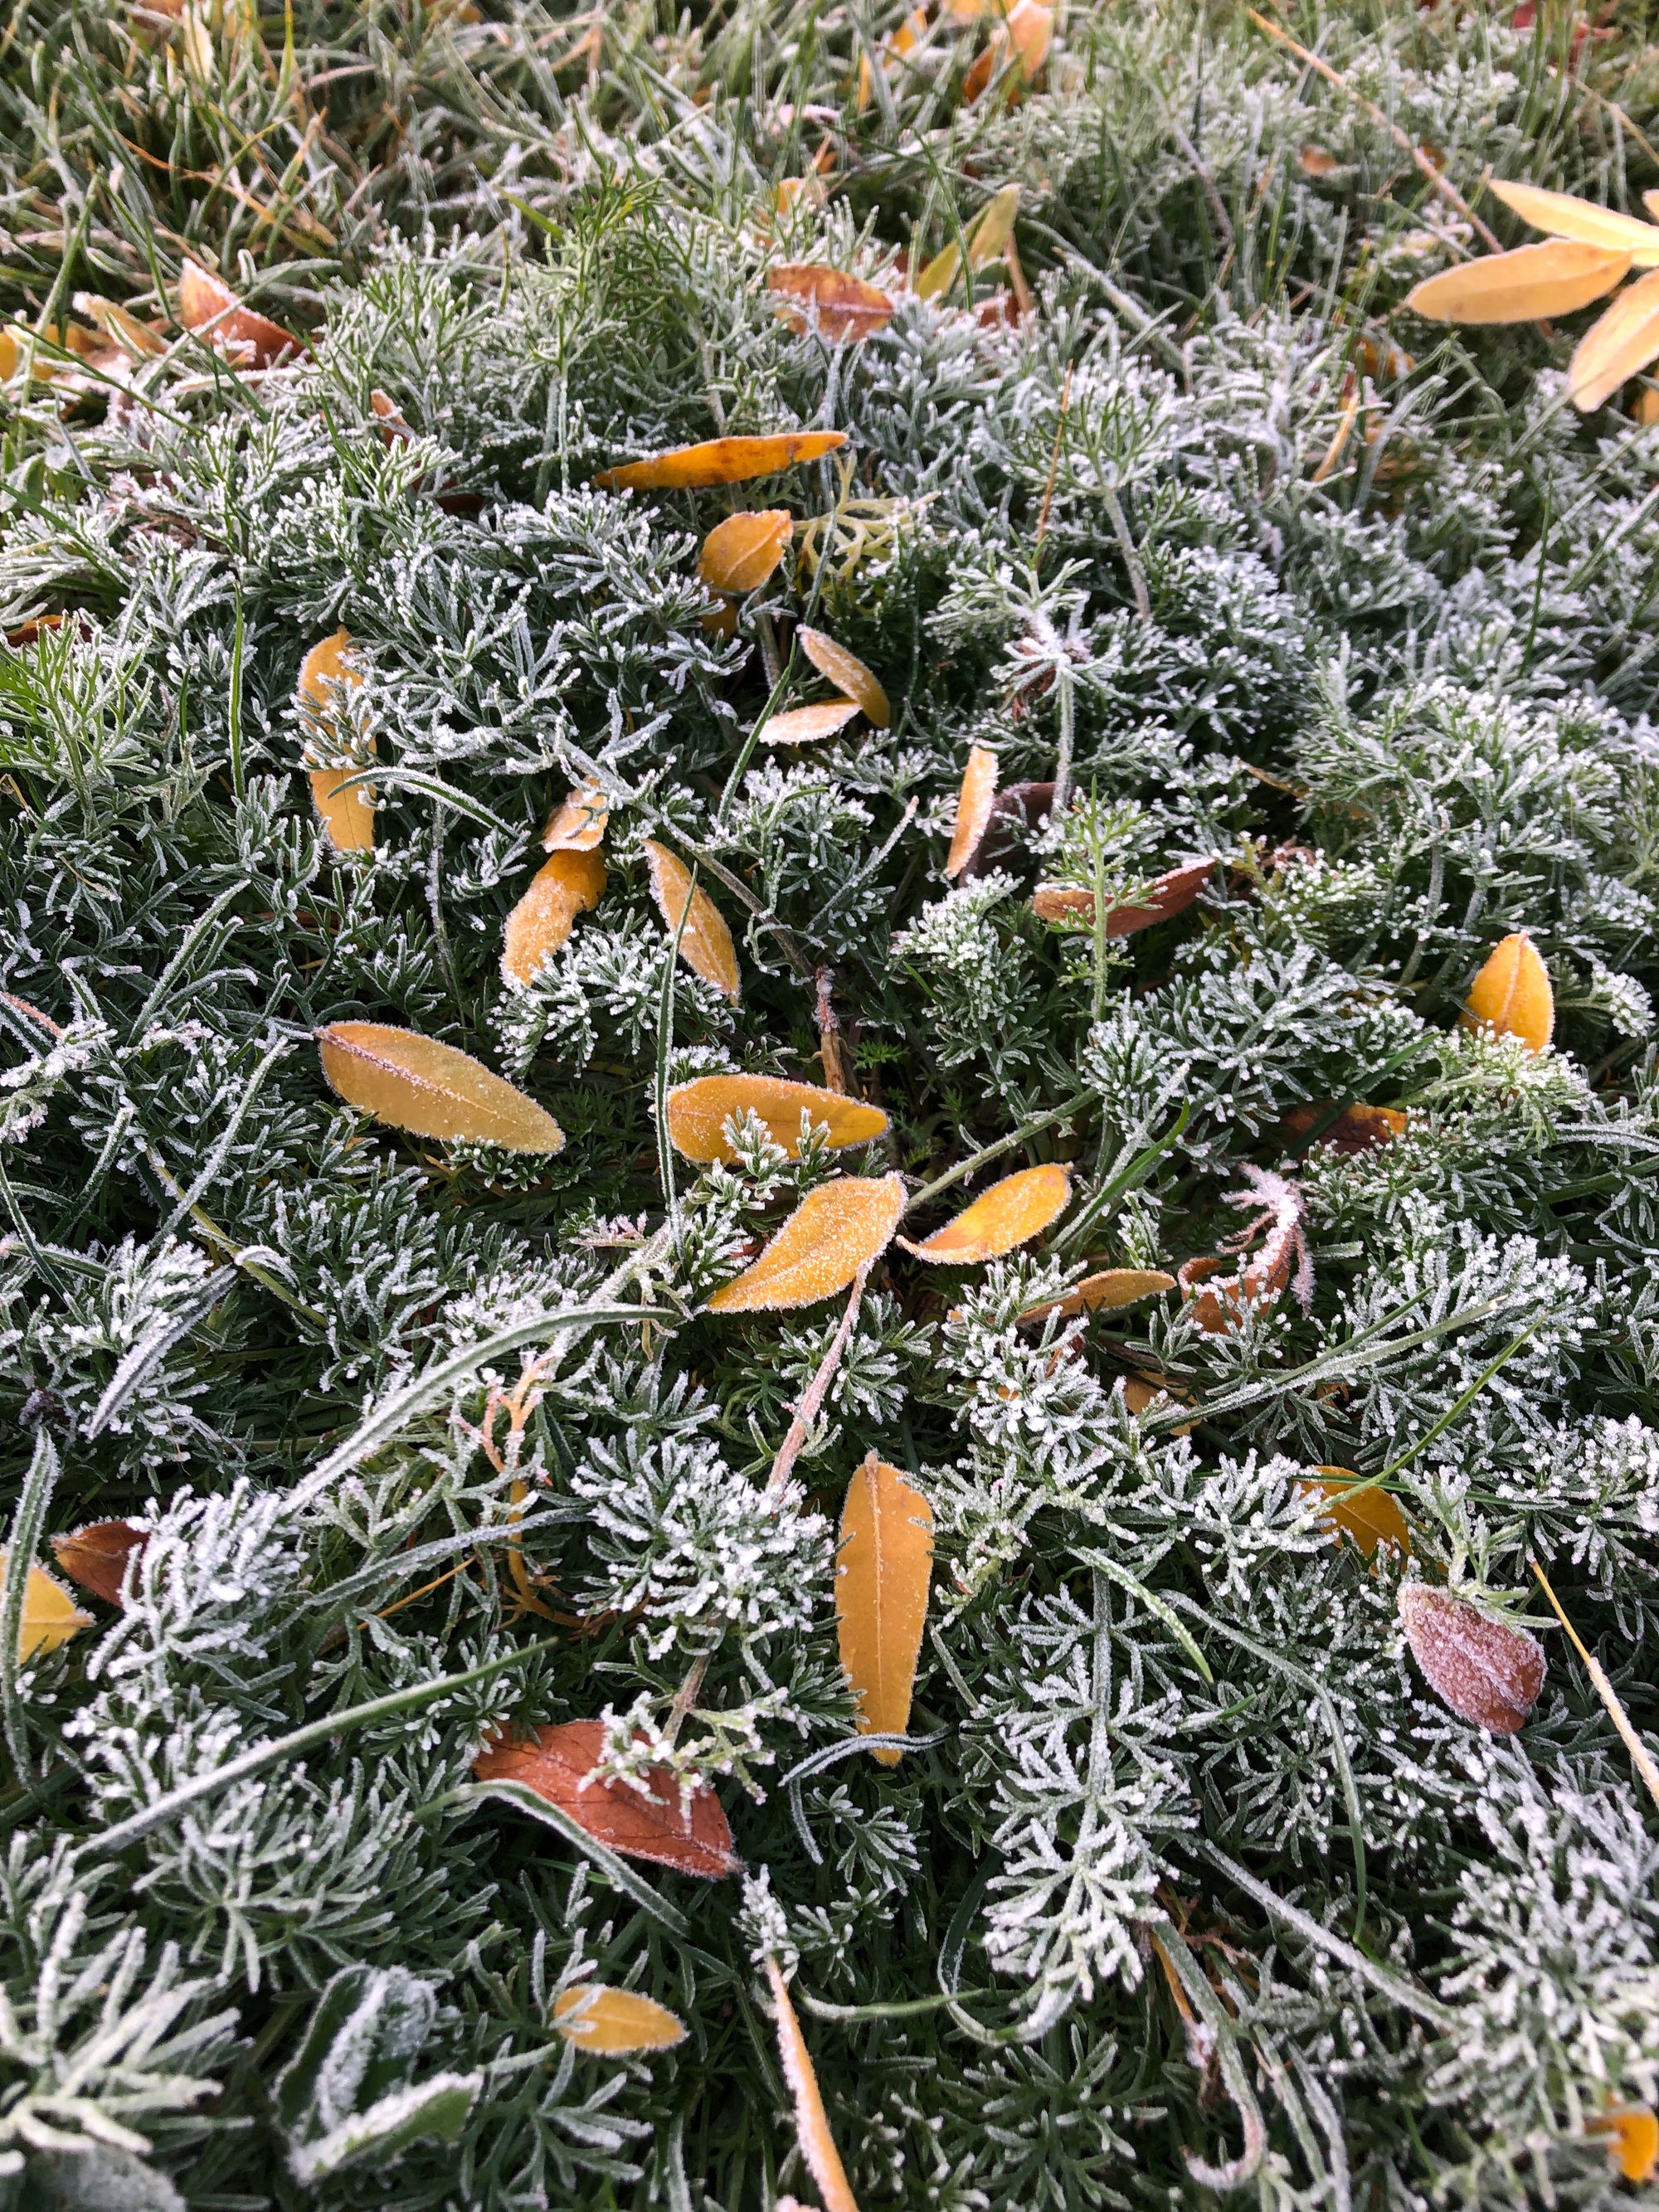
column 565, row 885
column 1371, row 1518
column 846, row 670
column 721, row 461
column 1031, row 31
column 706, row 944
column 740, row 554
column 886, row 1556
column 987, row 237
column 1522, row 286
column 1104, row 1292
column 835, row 1230
column 615, row 2021
column 817, row 2145
column 1512, row 994
column 1632, row 2137
column 839, row 307
column 578, row 824
column 1010, row 1212
column 1145, row 1396
column 347, row 814
column 698, row 1112
column 208, row 305
column 414, row 1083
column 1562, row 215
column 1621, row 344
column 50, row 1616
column 801, row 724
column 974, row 803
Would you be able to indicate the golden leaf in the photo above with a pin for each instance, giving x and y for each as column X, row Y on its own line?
column 1141, row 1395
column 347, row 813
column 817, row 2145
column 835, row 1230
column 1371, row 1518
column 885, row 1560
column 973, row 803
column 1010, row 1212
column 1030, row 33
column 1562, row 215
column 721, row 461
column 846, row 670
column 207, row 305
column 698, row 1112
column 412, row 1082
column 706, row 944
column 1315, row 161
column 740, row 554
column 839, row 307
column 615, row 2021
column 1621, row 344
column 135, row 339
column 1105, row 1292
column 1632, row 2139
column 801, row 724
column 566, row 885
column 1519, row 286
column 578, row 824
column 50, row 1616
column 987, row 237
column 1512, row 994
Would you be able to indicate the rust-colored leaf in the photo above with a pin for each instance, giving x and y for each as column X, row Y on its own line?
column 974, row 802
column 740, row 554
column 1512, row 994
column 347, row 812
column 96, row 1556
column 1563, row 216
column 1370, row 1518
column 1621, row 344
column 1105, row 1293
column 802, row 723
column 1316, row 162
column 1012, row 1212
column 835, row 1230
column 567, row 883
column 614, row 2022
column 556, row 1762
column 1282, row 1261
column 1356, row 1129
column 847, row 671
column 1170, row 894
column 1486, row 1671
column 412, row 1082
column 1534, row 281
column 721, row 461
column 1017, row 806
column 1633, row 2141
column 838, row 306
column 698, row 1112
column 208, row 306
column 885, row 1558
column 817, row 2145
column 50, row 1616
column 706, row 944
column 578, row 824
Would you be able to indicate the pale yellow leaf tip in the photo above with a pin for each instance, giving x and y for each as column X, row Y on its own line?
column 50, row 1616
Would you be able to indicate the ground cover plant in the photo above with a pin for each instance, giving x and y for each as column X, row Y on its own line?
column 819, row 1263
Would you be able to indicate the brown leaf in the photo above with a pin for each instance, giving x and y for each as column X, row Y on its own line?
column 885, row 1560
column 412, row 1082
column 839, row 307
column 1170, row 894
column 802, row 723
column 208, row 306
column 1621, row 344
column 96, row 1556
column 1533, row 282
column 817, row 2145
column 1284, row 1260
column 978, row 789
column 1356, row 1129
column 1142, row 1394
column 836, row 1229
column 1012, row 1212
column 740, row 554
column 556, row 1762
column 1563, row 216
column 1486, row 1671
column 698, row 1112
column 1371, row 1518
column 347, row 813
column 567, row 883
column 1512, row 994
column 1315, row 161
column 706, row 944
column 847, row 671
column 615, row 2021
column 1105, row 1293
column 721, row 461
column 578, row 824
column 1017, row 806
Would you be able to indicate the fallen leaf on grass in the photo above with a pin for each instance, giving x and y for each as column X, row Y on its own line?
column 567, row 883
column 208, row 306
column 1562, row 215
column 614, row 2022
column 1356, row 1129
column 555, row 1763
column 412, row 1082
column 1532, row 283
column 96, row 1556
column 1012, row 1212
column 1512, row 994
column 846, row 670
column 1486, row 1671
column 802, row 723
column 1283, row 1262
column 50, row 1616
column 740, row 554
column 721, row 461
column 839, row 307
column 987, row 239
column 885, row 1560
column 1169, row 894
column 1371, row 1518
column 347, row 812
column 974, row 803
column 1105, row 1293
column 835, row 1230
column 578, row 824
column 706, row 944
column 817, row 2145
column 1633, row 2141
column 698, row 1112
column 1619, row 346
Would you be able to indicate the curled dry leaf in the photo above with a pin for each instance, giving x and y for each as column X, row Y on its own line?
column 346, row 812
column 412, row 1082
column 974, row 802
column 578, row 824
column 846, row 670
column 1283, row 1262
column 740, row 554
column 698, row 1112
column 96, row 1556
column 567, row 882
column 841, row 308
column 1623, row 343
column 555, row 1763
column 1486, row 1671
column 1563, row 216
column 986, row 238
column 706, row 944
column 1012, row 1212
column 1169, row 894
column 50, row 1616
column 1533, row 282
column 1105, row 1293
column 208, row 306
column 884, row 1563
column 721, row 461
column 614, row 2022
column 1512, row 994
column 817, row 2145
column 1356, row 1129
column 1633, row 2141
column 802, row 723
column 835, row 1230
column 1370, row 1518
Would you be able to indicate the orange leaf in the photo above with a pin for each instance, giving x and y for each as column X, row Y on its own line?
column 556, row 1762
column 740, row 554
column 1633, row 2141
column 1030, row 33
column 1356, row 1129
column 1512, row 994
column 1519, row 286
column 698, row 1112
column 721, row 461
column 835, row 1230
column 839, row 307
column 817, row 2145
column 615, row 2021
column 1170, row 894
column 207, row 305
column 96, row 1556
column 885, row 1558
column 1140, row 1396
column 1564, row 217
column 1104, row 1292
column 974, row 802
column 412, row 1082
column 578, row 825
column 1486, row 1671
column 1373, row 1518
column 706, row 944
column 346, row 810
column 565, row 885
column 1621, row 344
column 847, row 671
column 801, row 724
column 1010, row 1212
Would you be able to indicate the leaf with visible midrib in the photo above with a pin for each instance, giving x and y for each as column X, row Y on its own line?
column 555, row 1764
column 740, row 554
column 706, row 944
column 1010, row 1214
column 1512, row 994
column 1534, row 281
column 615, row 2021
column 50, row 1616
column 885, row 1559
column 835, row 1230
column 721, row 461
column 414, row 1083
column 817, row 2145
column 847, row 672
